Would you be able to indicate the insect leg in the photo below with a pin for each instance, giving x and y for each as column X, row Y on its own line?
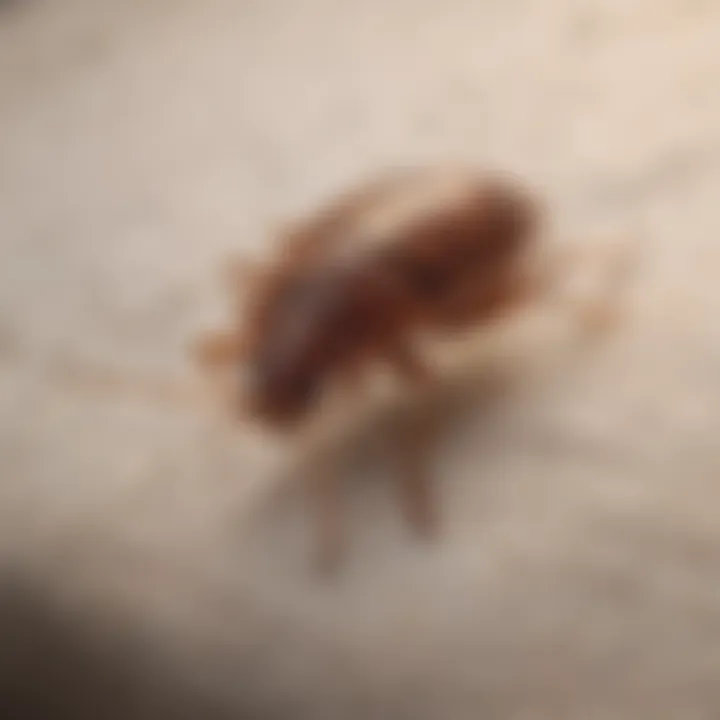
column 216, row 350
column 415, row 441
column 325, row 496
column 408, row 365
column 602, row 310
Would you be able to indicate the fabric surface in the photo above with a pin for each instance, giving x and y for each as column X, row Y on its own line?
column 140, row 141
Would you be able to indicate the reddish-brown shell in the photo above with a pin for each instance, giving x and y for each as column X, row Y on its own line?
column 414, row 250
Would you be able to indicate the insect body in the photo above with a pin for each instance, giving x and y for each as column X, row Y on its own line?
column 353, row 285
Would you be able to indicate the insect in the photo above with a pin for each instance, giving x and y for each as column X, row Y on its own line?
column 353, row 286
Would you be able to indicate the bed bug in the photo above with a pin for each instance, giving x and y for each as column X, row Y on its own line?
column 352, row 287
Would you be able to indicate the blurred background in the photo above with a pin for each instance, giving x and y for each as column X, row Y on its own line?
column 578, row 575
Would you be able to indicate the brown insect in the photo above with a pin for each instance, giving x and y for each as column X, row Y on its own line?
column 352, row 287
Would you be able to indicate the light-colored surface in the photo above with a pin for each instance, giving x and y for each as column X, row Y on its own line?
column 579, row 574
